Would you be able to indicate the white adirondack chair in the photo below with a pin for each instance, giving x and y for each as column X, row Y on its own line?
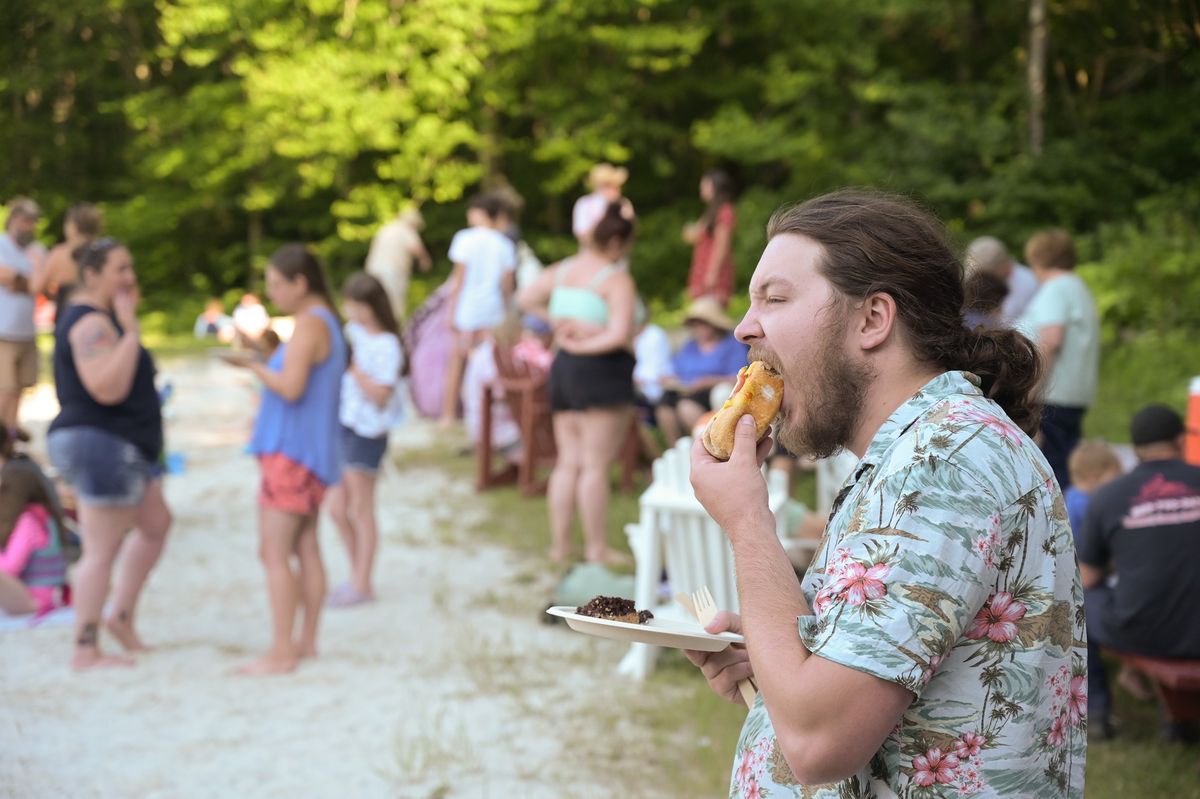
column 673, row 530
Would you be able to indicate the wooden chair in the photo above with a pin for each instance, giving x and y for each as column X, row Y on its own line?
column 1177, row 683
column 527, row 392
column 674, row 531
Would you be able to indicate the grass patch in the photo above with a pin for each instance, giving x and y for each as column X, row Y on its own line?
column 692, row 733
column 1153, row 367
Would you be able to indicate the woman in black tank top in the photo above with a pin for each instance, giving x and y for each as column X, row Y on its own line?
column 107, row 444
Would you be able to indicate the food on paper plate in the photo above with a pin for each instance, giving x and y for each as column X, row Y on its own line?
column 614, row 608
column 759, row 392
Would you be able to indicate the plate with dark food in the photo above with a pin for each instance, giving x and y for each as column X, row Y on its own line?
column 619, row 620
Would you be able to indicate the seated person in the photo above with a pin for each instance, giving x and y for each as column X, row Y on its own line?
column 711, row 356
column 33, row 549
column 983, row 300
column 533, row 349
column 652, row 352
column 482, row 370
column 1092, row 464
column 1138, row 550
column 251, row 323
column 213, row 322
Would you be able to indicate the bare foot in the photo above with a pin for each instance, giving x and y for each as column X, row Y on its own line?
column 559, row 554
column 306, row 651
column 611, row 558
column 124, row 633
column 267, row 664
column 86, row 659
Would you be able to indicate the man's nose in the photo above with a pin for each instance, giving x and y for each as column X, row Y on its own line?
column 748, row 330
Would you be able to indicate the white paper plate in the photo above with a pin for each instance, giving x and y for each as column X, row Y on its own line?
column 658, row 632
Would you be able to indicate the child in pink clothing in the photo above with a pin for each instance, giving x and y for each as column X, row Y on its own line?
column 33, row 561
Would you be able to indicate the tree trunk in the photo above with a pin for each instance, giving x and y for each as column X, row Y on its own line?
column 1036, row 74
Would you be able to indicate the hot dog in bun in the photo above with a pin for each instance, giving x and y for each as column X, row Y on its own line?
column 759, row 392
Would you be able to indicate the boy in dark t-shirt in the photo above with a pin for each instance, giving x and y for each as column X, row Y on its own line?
column 1143, row 530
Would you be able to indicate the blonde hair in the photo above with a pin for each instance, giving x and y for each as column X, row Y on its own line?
column 1092, row 460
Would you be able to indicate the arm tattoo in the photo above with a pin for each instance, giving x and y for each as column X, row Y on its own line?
column 97, row 340
column 88, row 635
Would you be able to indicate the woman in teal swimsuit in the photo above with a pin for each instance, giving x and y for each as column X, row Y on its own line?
column 590, row 302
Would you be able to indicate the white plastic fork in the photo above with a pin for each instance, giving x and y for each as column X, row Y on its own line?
column 705, row 608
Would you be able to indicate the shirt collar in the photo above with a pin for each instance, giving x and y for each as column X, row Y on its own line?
column 939, row 388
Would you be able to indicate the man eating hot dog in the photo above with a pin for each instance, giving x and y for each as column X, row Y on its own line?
column 935, row 647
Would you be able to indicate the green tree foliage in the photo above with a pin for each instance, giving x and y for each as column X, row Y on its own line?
column 212, row 130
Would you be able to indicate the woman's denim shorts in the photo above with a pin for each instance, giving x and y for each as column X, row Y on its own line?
column 362, row 453
column 102, row 469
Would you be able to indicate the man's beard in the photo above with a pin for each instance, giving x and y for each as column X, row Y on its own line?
column 23, row 239
column 834, row 391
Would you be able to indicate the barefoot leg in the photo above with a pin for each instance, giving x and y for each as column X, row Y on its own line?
column 139, row 555
column 337, row 503
column 360, row 487
column 312, row 587
column 277, row 540
column 103, row 529
column 564, row 479
column 602, row 436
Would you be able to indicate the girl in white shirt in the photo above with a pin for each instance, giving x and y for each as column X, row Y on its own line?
column 370, row 408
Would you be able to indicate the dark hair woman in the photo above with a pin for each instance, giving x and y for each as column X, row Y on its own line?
column 370, row 408
column 591, row 302
column 296, row 442
column 711, row 238
column 107, row 443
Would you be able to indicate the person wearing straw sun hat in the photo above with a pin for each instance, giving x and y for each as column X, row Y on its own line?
column 605, row 181
column 711, row 356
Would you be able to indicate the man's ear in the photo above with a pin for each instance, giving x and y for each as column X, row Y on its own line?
column 875, row 320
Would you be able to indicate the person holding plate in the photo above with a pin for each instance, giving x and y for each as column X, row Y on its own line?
column 299, row 452
column 935, row 646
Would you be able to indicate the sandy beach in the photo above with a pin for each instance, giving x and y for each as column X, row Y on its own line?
column 448, row 686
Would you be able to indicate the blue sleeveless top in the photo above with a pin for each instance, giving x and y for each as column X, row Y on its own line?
column 306, row 431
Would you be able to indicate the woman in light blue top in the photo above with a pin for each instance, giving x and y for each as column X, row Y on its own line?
column 590, row 302
column 298, row 449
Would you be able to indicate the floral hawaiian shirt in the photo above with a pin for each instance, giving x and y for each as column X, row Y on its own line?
column 948, row 567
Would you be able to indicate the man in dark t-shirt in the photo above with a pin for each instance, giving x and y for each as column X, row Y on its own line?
column 1138, row 554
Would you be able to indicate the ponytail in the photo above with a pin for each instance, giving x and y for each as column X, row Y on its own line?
column 1009, row 368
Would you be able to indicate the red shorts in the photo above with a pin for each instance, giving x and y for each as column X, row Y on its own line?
column 288, row 486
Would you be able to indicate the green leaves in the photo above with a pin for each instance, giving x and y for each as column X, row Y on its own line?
column 214, row 129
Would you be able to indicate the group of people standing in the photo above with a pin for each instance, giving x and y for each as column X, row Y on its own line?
column 322, row 424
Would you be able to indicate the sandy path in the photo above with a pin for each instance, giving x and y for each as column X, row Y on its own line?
column 448, row 686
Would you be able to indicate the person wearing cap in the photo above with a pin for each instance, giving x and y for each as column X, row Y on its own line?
column 605, row 181
column 711, row 356
column 1138, row 551
column 989, row 254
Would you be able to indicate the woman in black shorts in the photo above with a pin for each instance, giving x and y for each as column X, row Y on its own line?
column 590, row 301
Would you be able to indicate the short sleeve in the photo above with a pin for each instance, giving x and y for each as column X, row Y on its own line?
column 27, row 537
column 509, row 254
column 733, row 357
column 385, row 360
column 581, row 217
column 1090, row 544
column 458, row 247
column 910, row 578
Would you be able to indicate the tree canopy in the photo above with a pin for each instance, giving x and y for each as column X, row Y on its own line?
column 213, row 130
